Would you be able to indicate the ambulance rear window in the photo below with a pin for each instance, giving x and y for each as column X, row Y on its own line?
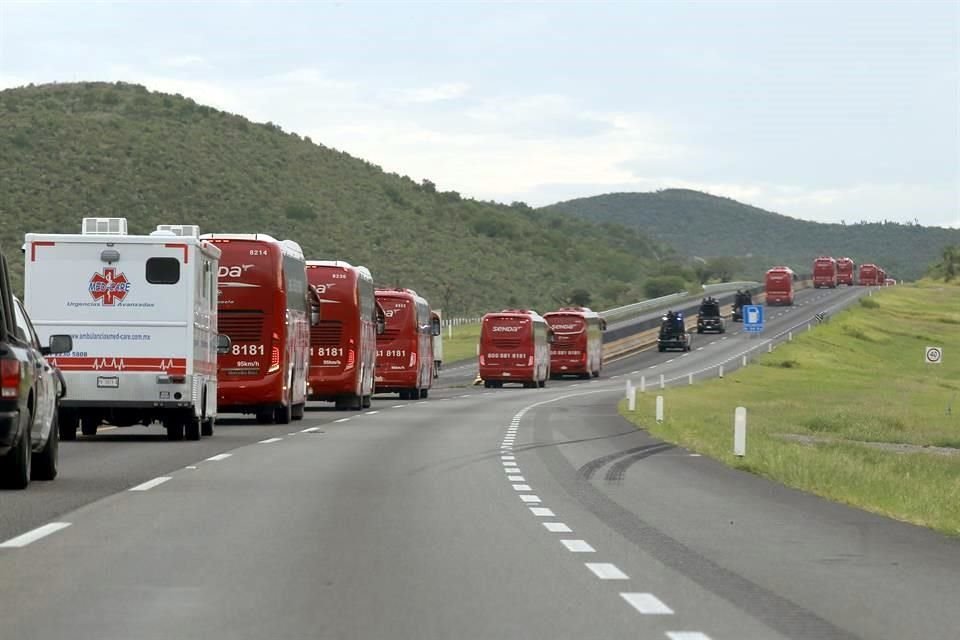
column 163, row 270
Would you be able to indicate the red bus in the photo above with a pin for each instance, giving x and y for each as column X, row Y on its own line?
column 343, row 343
column 881, row 275
column 869, row 275
column 779, row 286
column 405, row 348
column 515, row 347
column 265, row 309
column 845, row 271
column 825, row 273
column 577, row 347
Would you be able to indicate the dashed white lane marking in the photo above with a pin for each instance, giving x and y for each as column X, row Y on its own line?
column 219, row 457
column 370, row 413
column 150, row 484
column 521, row 487
column 578, row 546
column 695, row 455
column 634, row 372
column 530, row 498
column 606, row 571
column 190, row 466
column 542, row 512
column 557, row 527
column 342, row 420
column 310, row 430
column 687, row 635
column 398, row 406
column 669, row 361
column 724, row 338
column 516, row 479
column 647, row 603
column 31, row 536
column 508, row 457
column 653, row 366
column 699, row 348
column 270, row 440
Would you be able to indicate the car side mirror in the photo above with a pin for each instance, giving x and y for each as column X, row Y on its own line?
column 59, row 343
column 223, row 343
column 435, row 326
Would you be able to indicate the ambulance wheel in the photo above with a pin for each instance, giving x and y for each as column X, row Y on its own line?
column 88, row 426
column 192, row 427
column 298, row 409
column 174, row 428
column 365, row 402
column 265, row 416
column 206, row 427
column 69, row 422
column 283, row 414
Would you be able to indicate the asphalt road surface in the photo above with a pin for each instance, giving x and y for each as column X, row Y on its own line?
column 506, row 513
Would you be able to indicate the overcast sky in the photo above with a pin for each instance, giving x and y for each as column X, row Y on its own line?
column 825, row 111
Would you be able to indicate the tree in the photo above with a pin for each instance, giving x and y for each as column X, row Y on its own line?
column 659, row 286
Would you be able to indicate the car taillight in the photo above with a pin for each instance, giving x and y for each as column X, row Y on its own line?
column 9, row 378
column 351, row 358
column 274, row 359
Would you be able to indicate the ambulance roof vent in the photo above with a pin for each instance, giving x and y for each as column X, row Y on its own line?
column 104, row 226
column 188, row 230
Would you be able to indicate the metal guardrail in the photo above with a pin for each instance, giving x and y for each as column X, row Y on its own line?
column 620, row 313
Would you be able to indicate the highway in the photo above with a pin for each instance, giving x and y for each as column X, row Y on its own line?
column 502, row 513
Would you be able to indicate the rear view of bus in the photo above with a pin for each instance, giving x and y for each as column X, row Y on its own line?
column 514, row 347
column 825, row 273
column 779, row 286
column 264, row 308
column 405, row 348
column 869, row 275
column 578, row 342
column 343, row 344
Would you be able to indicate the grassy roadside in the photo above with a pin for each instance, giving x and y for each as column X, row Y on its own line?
column 814, row 404
column 463, row 344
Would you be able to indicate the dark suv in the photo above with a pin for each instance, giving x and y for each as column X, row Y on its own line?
column 30, row 391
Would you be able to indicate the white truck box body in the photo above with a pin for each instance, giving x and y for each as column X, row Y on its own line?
column 136, row 344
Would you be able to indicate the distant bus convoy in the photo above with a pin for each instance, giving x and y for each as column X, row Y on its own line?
column 178, row 327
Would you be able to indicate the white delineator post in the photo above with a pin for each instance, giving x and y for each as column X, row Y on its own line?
column 721, row 371
column 659, row 408
column 632, row 399
column 662, row 382
column 740, row 431
column 643, row 384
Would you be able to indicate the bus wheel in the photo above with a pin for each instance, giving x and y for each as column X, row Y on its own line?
column 404, row 395
column 265, row 416
column 356, row 403
column 541, row 383
column 206, row 427
column 174, row 427
column 192, row 427
column 298, row 409
column 283, row 414
column 424, row 393
column 88, row 426
column 68, row 425
column 596, row 374
column 365, row 402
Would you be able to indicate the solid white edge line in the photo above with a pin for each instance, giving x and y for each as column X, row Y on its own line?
column 543, row 512
column 557, row 527
column 219, row 457
column 606, row 570
column 647, row 604
column 31, row 536
column 150, row 484
column 578, row 546
column 270, row 440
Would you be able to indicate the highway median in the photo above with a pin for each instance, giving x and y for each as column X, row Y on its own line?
column 850, row 411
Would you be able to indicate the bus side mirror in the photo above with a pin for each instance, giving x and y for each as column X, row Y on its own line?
column 314, row 299
column 435, row 326
column 603, row 324
column 551, row 337
column 223, row 343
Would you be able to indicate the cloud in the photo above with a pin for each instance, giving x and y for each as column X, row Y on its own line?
column 438, row 93
column 184, row 61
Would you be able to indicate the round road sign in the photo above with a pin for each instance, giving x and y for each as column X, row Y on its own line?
column 934, row 355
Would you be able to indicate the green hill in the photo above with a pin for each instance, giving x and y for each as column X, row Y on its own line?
column 98, row 149
column 699, row 224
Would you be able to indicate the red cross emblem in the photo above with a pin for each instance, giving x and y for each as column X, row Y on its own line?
column 109, row 287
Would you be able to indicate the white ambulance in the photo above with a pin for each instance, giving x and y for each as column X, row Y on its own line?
column 142, row 312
